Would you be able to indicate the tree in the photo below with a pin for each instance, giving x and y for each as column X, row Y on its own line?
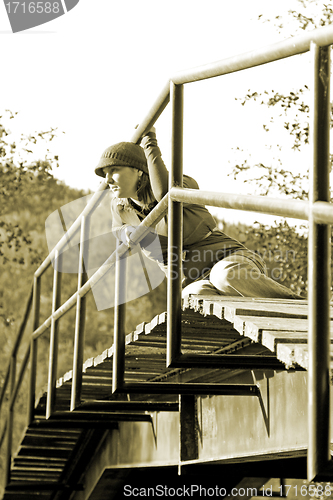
column 22, row 174
column 310, row 14
column 271, row 177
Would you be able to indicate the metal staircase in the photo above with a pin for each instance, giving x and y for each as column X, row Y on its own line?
column 232, row 351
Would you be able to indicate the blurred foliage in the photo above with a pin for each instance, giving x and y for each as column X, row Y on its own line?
column 283, row 245
column 298, row 128
column 310, row 14
column 284, row 251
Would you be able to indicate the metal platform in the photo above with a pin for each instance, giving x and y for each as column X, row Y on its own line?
column 279, row 325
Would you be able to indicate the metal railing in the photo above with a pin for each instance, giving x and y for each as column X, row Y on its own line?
column 318, row 211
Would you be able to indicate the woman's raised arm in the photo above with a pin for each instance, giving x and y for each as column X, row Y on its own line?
column 158, row 173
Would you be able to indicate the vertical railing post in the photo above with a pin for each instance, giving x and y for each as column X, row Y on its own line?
column 79, row 323
column 54, row 334
column 319, row 279
column 33, row 349
column 175, row 233
column 188, row 421
column 10, row 418
column 118, row 371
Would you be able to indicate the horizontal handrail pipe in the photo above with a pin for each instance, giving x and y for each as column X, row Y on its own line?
column 274, row 52
column 155, row 111
column 322, row 212
column 295, row 209
column 290, row 47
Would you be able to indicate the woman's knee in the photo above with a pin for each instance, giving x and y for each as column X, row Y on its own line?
column 227, row 273
column 202, row 287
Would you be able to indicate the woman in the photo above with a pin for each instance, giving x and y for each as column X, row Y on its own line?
column 213, row 263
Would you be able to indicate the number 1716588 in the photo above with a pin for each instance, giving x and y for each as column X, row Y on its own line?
column 33, row 7
column 313, row 490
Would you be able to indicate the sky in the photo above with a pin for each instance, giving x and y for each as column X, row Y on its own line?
column 96, row 71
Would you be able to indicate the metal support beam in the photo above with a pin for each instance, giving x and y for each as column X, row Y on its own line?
column 54, row 337
column 319, row 278
column 119, row 324
column 228, row 361
column 51, row 423
column 33, row 349
column 190, row 388
column 79, row 322
column 175, row 230
column 129, row 405
column 88, row 416
column 188, row 423
column 43, row 486
column 10, row 420
column 87, row 420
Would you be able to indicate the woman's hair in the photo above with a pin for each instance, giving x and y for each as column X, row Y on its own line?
column 144, row 190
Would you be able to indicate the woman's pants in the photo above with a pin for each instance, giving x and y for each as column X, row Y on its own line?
column 239, row 276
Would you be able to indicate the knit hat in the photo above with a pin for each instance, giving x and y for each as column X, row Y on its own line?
column 125, row 154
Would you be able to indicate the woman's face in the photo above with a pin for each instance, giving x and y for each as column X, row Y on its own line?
column 123, row 181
